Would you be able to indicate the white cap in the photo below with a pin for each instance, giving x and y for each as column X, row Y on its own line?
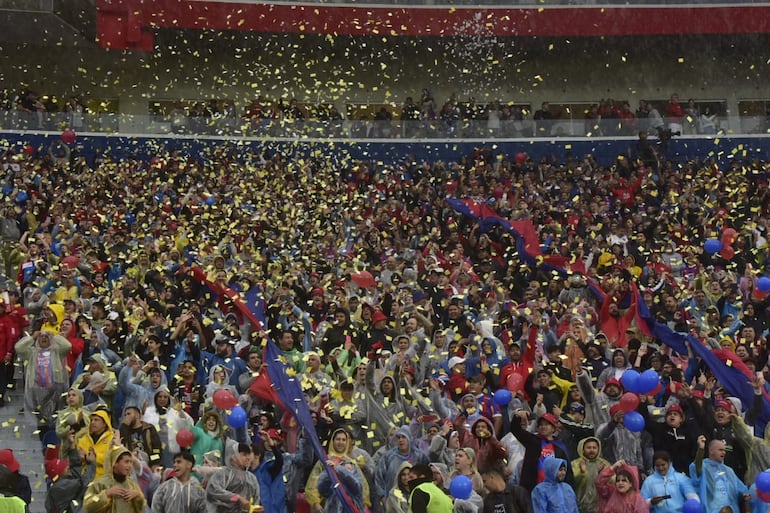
column 455, row 360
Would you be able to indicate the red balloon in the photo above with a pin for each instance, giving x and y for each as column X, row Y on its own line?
column 185, row 438
column 521, row 158
column 364, row 279
column 629, row 402
column 727, row 252
column 657, row 389
column 224, row 400
column 515, row 382
column 29, row 149
column 70, row 262
column 68, row 136
column 728, row 236
column 763, row 496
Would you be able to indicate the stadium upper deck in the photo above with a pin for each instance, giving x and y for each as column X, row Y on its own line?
column 130, row 24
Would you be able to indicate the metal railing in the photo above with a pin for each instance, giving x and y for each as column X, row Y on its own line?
column 375, row 129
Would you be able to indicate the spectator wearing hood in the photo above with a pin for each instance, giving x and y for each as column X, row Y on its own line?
column 444, row 445
column 481, row 438
column 339, row 449
column 666, row 490
column 350, row 478
column 622, row 494
column 53, row 315
column 139, row 383
column 233, row 488
column 398, row 498
column 209, row 435
column 585, row 468
column 72, row 416
column 97, row 440
column 115, row 490
column 385, row 406
column 553, row 494
column 388, row 465
column 619, row 365
column 168, row 418
column 594, row 362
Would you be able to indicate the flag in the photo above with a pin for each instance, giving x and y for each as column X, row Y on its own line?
column 285, row 386
column 725, row 365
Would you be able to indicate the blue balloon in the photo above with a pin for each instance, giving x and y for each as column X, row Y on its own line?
column 460, row 487
column 503, row 397
column 210, row 200
column 633, row 421
column 237, row 417
column 630, row 380
column 763, row 481
column 691, row 506
column 763, row 284
column 713, row 246
column 648, row 381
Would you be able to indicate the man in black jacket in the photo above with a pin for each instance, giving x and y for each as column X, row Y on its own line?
column 504, row 497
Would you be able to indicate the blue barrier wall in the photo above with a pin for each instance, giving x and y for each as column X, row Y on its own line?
column 605, row 150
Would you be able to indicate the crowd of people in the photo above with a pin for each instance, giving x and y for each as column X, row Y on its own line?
column 415, row 118
column 405, row 322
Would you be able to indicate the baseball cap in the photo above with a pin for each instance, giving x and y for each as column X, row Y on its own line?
column 455, row 360
column 9, row 460
column 550, row 418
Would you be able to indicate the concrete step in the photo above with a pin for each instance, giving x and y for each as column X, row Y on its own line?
column 23, row 439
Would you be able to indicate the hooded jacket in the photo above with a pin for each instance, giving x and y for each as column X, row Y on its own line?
column 612, row 371
column 673, row 483
column 585, row 471
column 351, row 480
column 312, row 493
column 611, row 500
column 552, row 495
column 96, row 499
column 168, row 422
column 224, row 486
column 204, row 440
column 54, row 327
column 489, row 451
column 173, row 496
column 72, row 416
column 101, row 445
column 387, row 467
column 398, row 498
column 717, row 485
